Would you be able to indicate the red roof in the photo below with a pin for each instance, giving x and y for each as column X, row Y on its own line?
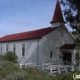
column 68, row 46
column 57, row 17
column 27, row 35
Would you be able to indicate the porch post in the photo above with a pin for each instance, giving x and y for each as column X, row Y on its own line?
column 73, row 57
column 50, row 69
column 59, row 69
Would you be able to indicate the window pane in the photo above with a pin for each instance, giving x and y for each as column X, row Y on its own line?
column 6, row 48
column 23, row 49
column 1, row 49
column 14, row 48
column 51, row 54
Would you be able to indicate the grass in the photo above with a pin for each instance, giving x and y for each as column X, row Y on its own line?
column 10, row 71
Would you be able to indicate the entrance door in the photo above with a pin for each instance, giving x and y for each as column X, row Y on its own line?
column 67, row 57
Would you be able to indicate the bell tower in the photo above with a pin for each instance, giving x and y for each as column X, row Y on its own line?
column 57, row 19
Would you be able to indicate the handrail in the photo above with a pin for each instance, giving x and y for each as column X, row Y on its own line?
column 76, row 63
column 66, row 63
column 50, row 68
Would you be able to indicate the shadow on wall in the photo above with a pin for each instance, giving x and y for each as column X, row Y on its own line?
column 32, row 52
column 54, row 42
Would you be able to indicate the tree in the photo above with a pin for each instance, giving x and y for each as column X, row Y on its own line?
column 11, row 56
column 72, row 14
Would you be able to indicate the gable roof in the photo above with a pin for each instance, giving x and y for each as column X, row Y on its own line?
column 57, row 17
column 68, row 46
column 35, row 34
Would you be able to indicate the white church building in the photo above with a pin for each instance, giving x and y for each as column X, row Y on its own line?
column 50, row 44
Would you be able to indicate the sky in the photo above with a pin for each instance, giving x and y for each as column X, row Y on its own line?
column 25, row 15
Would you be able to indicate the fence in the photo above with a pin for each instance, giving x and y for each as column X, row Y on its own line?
column 50, row 67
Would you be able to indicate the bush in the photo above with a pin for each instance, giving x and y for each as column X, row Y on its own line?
column 6, row 68
column 16, row 76
column 11, row 56
column 2, row 58
column 29, row 74
column 36, row 74
column 58, row 77
column 69, row 76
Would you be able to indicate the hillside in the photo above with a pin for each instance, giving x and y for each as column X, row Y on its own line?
column 10, row 71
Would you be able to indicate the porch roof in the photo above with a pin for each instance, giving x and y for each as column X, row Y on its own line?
column 68, row 46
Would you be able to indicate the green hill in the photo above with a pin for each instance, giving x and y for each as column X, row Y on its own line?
column 10, row 71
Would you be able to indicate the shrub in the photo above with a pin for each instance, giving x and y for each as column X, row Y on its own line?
column 58, row 77
column 11, row 56
column 69, row 76
column 36, row 74
column 2, row 58
column 6, row 68
column 16, row 76
column 29, row 74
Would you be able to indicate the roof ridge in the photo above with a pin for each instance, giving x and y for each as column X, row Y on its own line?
column 28, row 31
column 34, row 34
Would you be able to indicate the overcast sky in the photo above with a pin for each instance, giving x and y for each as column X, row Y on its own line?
column 25, row 15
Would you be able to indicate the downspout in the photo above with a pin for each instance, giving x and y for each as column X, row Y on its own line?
column 37, row 51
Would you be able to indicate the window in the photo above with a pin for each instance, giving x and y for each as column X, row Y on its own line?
column 51, row 54
column 1, row 49
column 23, row 49
column 14, row 48
column 6, row 48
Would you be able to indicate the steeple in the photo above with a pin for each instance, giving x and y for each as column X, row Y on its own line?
column 57, row 19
